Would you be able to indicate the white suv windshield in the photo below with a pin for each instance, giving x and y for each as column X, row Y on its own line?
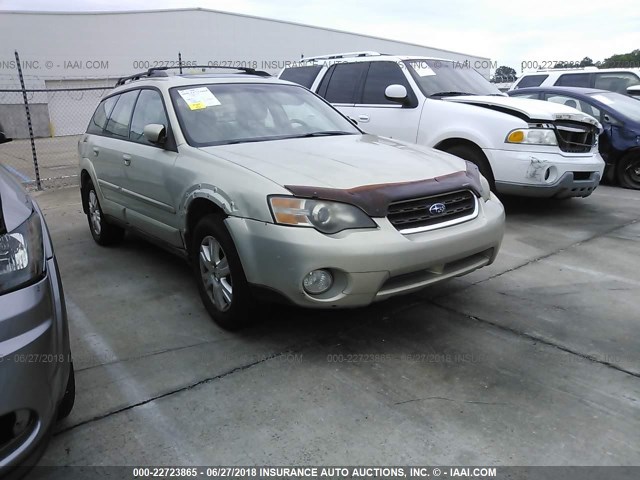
column 446, row 78
column 218, row 114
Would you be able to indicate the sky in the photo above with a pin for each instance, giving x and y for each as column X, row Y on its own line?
column 510, row 33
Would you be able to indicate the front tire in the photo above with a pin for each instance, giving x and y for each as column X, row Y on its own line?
column 103, row 232
column 222, row 284
column 628, row 171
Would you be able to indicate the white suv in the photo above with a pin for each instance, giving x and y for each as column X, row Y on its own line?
column 621, row 80
column 523, row 147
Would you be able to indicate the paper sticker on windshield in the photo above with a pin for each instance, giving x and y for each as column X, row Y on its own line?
column 603, row 99
column 199, row 98
column 422, row 69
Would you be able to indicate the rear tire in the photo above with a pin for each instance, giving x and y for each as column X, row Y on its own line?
column 628, row 171
column 222, row 284
column 477, row 158
column 69, row 398
column 103, row 232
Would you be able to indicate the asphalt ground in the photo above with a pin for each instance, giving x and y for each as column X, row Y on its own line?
column 533, row 360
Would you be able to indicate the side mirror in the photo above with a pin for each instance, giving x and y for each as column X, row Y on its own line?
column 3, row 136
column 634, row 90
column 396, row 93
column 155, row 133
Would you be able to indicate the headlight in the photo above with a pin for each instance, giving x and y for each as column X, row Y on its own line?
column 325, row 216
column 21, row 255
column 533, row 136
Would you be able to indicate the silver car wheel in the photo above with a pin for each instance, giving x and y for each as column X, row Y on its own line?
column 94, row 213
column 215, row 272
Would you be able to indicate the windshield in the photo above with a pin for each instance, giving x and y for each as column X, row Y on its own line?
column 625, row 105
column 446, row 78
column 222, row 114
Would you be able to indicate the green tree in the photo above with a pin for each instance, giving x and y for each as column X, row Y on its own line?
column 624, row 60
column 504, row 74
column 586, row 62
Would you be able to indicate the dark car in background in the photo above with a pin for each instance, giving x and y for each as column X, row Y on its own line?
column 37, row 384
column 619, row 115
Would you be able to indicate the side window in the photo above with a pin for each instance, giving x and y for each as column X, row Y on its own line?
column 345, row 82
column 99, row 119
column 616, row 81
column 301, row 75
column 118, row 124
column 149, row 109
column 379, row 77
column 591, row 110
column 573, row 80
column 531, row 81
column 564, row 100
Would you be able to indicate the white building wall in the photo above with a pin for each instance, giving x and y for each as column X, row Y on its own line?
column 71, row 50
column 99, row 45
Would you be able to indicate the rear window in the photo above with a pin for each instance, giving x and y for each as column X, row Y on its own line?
column 532, row 81
column 99, row 120
column 118, row 124
column 345, row 82
column 615, row 81
column 573, row 80
column 301, row 75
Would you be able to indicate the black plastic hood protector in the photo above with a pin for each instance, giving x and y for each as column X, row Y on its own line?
column 374, row 200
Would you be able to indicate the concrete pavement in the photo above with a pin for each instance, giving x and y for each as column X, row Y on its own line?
column 531, row 361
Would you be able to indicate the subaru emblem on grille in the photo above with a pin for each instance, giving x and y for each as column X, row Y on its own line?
column 437, row 209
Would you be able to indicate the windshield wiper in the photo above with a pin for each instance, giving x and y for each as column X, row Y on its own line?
column 285, row 137
column 323, row 134
column 250, row 140
column 449, row 94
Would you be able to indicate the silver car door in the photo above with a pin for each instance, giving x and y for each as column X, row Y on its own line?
column 148, row 172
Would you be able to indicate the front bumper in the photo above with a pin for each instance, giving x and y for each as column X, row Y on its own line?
column 367, row 265
column 566, row 187
column 34, row 365
column 544, row 174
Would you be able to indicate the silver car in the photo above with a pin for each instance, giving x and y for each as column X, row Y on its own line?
column 37, row 384
column 274, row 195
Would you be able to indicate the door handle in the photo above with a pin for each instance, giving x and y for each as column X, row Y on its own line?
column 363, row 118
column 96, row 151
column 127, row 159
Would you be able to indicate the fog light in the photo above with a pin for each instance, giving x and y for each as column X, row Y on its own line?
column 317, row 282
column 551, row 174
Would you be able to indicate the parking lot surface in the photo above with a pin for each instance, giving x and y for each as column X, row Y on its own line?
column 531, row 361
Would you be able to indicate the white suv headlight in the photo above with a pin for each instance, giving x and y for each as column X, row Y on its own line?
column 21, row 255
column 324, row 216
column 533, row 136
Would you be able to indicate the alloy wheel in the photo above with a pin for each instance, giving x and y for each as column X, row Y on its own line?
column 94, row 213
column 215, row 273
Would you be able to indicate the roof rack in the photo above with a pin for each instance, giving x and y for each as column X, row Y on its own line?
column 570, row 69
column 162, row 72
column 343, row 55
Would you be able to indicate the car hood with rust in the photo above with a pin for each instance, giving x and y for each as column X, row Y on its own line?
column 342, row 162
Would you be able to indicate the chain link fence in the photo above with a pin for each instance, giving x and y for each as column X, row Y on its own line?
column 57, row 119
